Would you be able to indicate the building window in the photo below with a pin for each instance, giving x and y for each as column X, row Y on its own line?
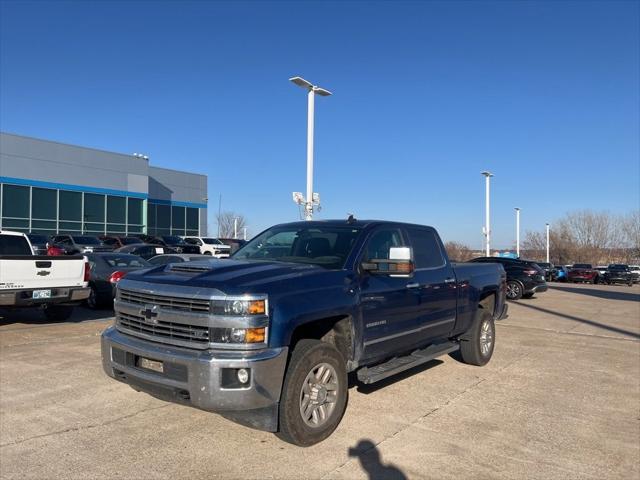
column 177, row 220
column 163, row 220
column 70, row 206
column 135, row 211
column 44, row 204
column 15, row 201
column 116, row 209
column 193, row 221
column 151, row 219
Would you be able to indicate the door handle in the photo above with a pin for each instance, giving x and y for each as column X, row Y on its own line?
column 450, row 280
column 413, row 285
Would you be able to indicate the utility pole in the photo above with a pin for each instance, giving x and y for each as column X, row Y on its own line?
column 487, row 225
column 235, row 227
column 547, row 243
column 244, row 233
column 518, row 232
column 219, row 213
column 312, row 91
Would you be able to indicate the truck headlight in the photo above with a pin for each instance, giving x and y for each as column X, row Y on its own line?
column 238, row 335
column 240, row 307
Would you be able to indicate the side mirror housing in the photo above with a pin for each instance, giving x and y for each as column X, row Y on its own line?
column 399, row 263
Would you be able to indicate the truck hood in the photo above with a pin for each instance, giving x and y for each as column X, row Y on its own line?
column 234, row 277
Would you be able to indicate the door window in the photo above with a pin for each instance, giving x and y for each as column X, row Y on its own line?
column 380, row 243
column 426, row 249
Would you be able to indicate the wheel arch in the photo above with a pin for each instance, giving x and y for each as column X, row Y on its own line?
column 336, row 330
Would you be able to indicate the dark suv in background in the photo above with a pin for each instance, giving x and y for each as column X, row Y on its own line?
column 75, row 244
column 619, row 273
column 524, row 278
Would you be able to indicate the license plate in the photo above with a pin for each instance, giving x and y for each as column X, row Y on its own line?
column 41, row 294
column 149, row 364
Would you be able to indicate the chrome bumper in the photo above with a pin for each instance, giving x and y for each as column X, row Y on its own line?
column 194, row 377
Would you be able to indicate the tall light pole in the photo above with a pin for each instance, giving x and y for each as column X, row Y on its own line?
column 312, row 91
column 487, row 224
column 518, row 232
column 235, row 227
column 547, row 243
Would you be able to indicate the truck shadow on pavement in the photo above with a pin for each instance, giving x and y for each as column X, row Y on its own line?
column 369, row 456
column 592, row 292
column 35, row 316
column 583, row 320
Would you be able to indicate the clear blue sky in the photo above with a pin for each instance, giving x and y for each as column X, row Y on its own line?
column 426, row 95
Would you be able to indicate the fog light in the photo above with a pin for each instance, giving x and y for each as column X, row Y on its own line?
column 243, row 375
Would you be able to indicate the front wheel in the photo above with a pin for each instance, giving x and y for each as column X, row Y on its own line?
column 514, row 290
column 314, row 394
column 477, row 344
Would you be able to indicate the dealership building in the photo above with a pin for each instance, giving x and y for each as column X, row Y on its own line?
column 50, row 187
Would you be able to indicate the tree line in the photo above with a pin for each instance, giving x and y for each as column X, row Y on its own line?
column 582, row 236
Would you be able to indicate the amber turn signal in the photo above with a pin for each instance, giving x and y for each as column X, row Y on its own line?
column 256, row 307
column 255, row 335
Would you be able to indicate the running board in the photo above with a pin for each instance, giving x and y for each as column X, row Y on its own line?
column 376, row 373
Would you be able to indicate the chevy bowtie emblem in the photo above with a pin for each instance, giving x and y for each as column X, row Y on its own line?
column 43, row 273
column 150, row 312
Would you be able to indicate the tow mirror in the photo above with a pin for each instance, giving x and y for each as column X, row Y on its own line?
column 399, row 263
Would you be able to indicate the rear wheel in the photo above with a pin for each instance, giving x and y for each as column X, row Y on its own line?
column 93, row 300
column 514, row 290
column 314, row 395
column 207, row 253
column 477, row 344
column 58, row 313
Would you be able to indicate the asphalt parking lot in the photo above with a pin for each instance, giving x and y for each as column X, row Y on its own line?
column 560, row 399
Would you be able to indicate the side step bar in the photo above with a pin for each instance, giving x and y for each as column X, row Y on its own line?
column 376, row 373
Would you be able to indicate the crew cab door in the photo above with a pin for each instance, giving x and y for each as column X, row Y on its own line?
column 389, row 309
column 434, row 284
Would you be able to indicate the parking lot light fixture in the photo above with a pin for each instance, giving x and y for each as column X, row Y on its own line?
column 312, row 90
column 547, row 243
column 487, row 224
column 517, row 231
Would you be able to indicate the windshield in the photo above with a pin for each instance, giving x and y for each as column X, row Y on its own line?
column 212, row 241
column 617, row 267
column 87, row 241
column 324, row 246
column 130, row 240
column 126, row 261
column 37, row 238
column 173, row 240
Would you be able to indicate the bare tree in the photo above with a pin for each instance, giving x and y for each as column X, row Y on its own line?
column 630, row 231
column 458, row 252
column 230, row 224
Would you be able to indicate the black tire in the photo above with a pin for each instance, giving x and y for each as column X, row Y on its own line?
column 471, row 342
column 58, row 313
column 208, row 253
column 527, row 295
column 93, row 301
column 306, row 357
column 514, row 290
column 630, row 284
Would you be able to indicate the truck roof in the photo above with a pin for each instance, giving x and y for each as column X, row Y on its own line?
column 354, row 222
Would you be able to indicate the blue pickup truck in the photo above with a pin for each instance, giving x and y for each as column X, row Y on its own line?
column 267, row 337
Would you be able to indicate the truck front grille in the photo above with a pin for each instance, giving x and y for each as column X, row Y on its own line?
column 166, row 332
column 173, row 303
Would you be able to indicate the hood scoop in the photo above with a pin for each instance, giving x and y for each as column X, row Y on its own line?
column 186, row 268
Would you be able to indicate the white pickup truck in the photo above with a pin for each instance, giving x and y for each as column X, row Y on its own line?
column 54, row 284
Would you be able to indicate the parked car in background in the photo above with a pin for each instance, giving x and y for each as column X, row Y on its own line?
column 76, row 244
column 619, row 273
column 177, row 258
column 561, row 273
column 39, row 243
column 37, row 281
column 210, row 246
column 115, row 241
column 635, row 269
column 582, row 273
column 178, row 244
column 601, row 269
column 145, row 250
column 524, row 278
column 234, row 243
column 549, row 270
column 107, row 269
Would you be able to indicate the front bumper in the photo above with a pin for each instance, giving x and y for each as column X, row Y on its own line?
column 59, row 295
column 539, row 288
column 194, row 377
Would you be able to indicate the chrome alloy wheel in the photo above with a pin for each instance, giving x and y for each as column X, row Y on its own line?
column 513, row 290
column 486, row 337
column 319, row 394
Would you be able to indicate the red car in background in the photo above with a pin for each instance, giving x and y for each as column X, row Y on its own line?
column 582, row 272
